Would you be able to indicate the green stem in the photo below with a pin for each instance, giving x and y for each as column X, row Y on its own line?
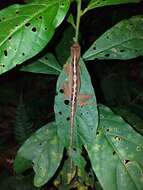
column 78, row 20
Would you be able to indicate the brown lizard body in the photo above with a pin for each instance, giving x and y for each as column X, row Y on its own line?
column 75, row 87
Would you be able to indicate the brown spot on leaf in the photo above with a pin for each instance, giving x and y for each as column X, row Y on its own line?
column 84, row 98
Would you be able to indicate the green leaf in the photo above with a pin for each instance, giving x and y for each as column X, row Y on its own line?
column 100, row 3
column 44, row 151
column 116, row 153
column 26, row 30
column 45, row 65
column 132, row 118
column 86, row 116
column 122, row 41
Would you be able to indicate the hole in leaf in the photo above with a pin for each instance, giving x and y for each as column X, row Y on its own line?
column 40, row 17
column 34, row 29
column 68, row 118
column 66, row 102
column 74, row 149
column 122, row 50
column 114, row 153
column 60, row 112
column 27, row 24
column 5, row 52
column 0, row 20
column 97, row 133
column 62, row 4
column 2, row 65
column 94, row 48
column 117, row 138
column 46, row 28
column 107, row 55
column 17, row 12
column 23, row 54
column 138, row 148
column 126, row 161
column 61, row 91
column 9, row 38
column 16, row 25
column 108, row 130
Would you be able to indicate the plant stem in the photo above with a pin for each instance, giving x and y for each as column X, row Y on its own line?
column 78, row 20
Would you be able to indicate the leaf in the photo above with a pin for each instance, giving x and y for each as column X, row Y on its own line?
column 45, row 65
column 81, row 180
column 86, row 116
column 44, row 151
column 116, row 153
column 100, row 3
column 26, row 30
column 122, row 41
column 131, row 118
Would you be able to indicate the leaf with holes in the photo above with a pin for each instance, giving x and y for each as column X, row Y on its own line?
column 100, row 3
column 86, row 116
column 116, row 153
column 122, row 41
column 45, row 65
column 26, row 30
column 44, row 152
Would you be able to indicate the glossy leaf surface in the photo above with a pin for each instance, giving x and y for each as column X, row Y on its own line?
column 26, row 30
column 122, row 41
column 100, row 3
column 46, row 65
column 44, row 152
column 117, row 153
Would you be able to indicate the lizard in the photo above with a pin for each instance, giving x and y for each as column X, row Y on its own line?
column 75, row 88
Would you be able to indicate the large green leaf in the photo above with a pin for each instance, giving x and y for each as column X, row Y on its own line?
column 122, row 41
column 45, row 65
column 86, row 116
column 44, row 152
column 116, row 153
column 26, row 29
column 100, row 3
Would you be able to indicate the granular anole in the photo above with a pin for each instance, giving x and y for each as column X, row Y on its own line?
column 75, row 87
